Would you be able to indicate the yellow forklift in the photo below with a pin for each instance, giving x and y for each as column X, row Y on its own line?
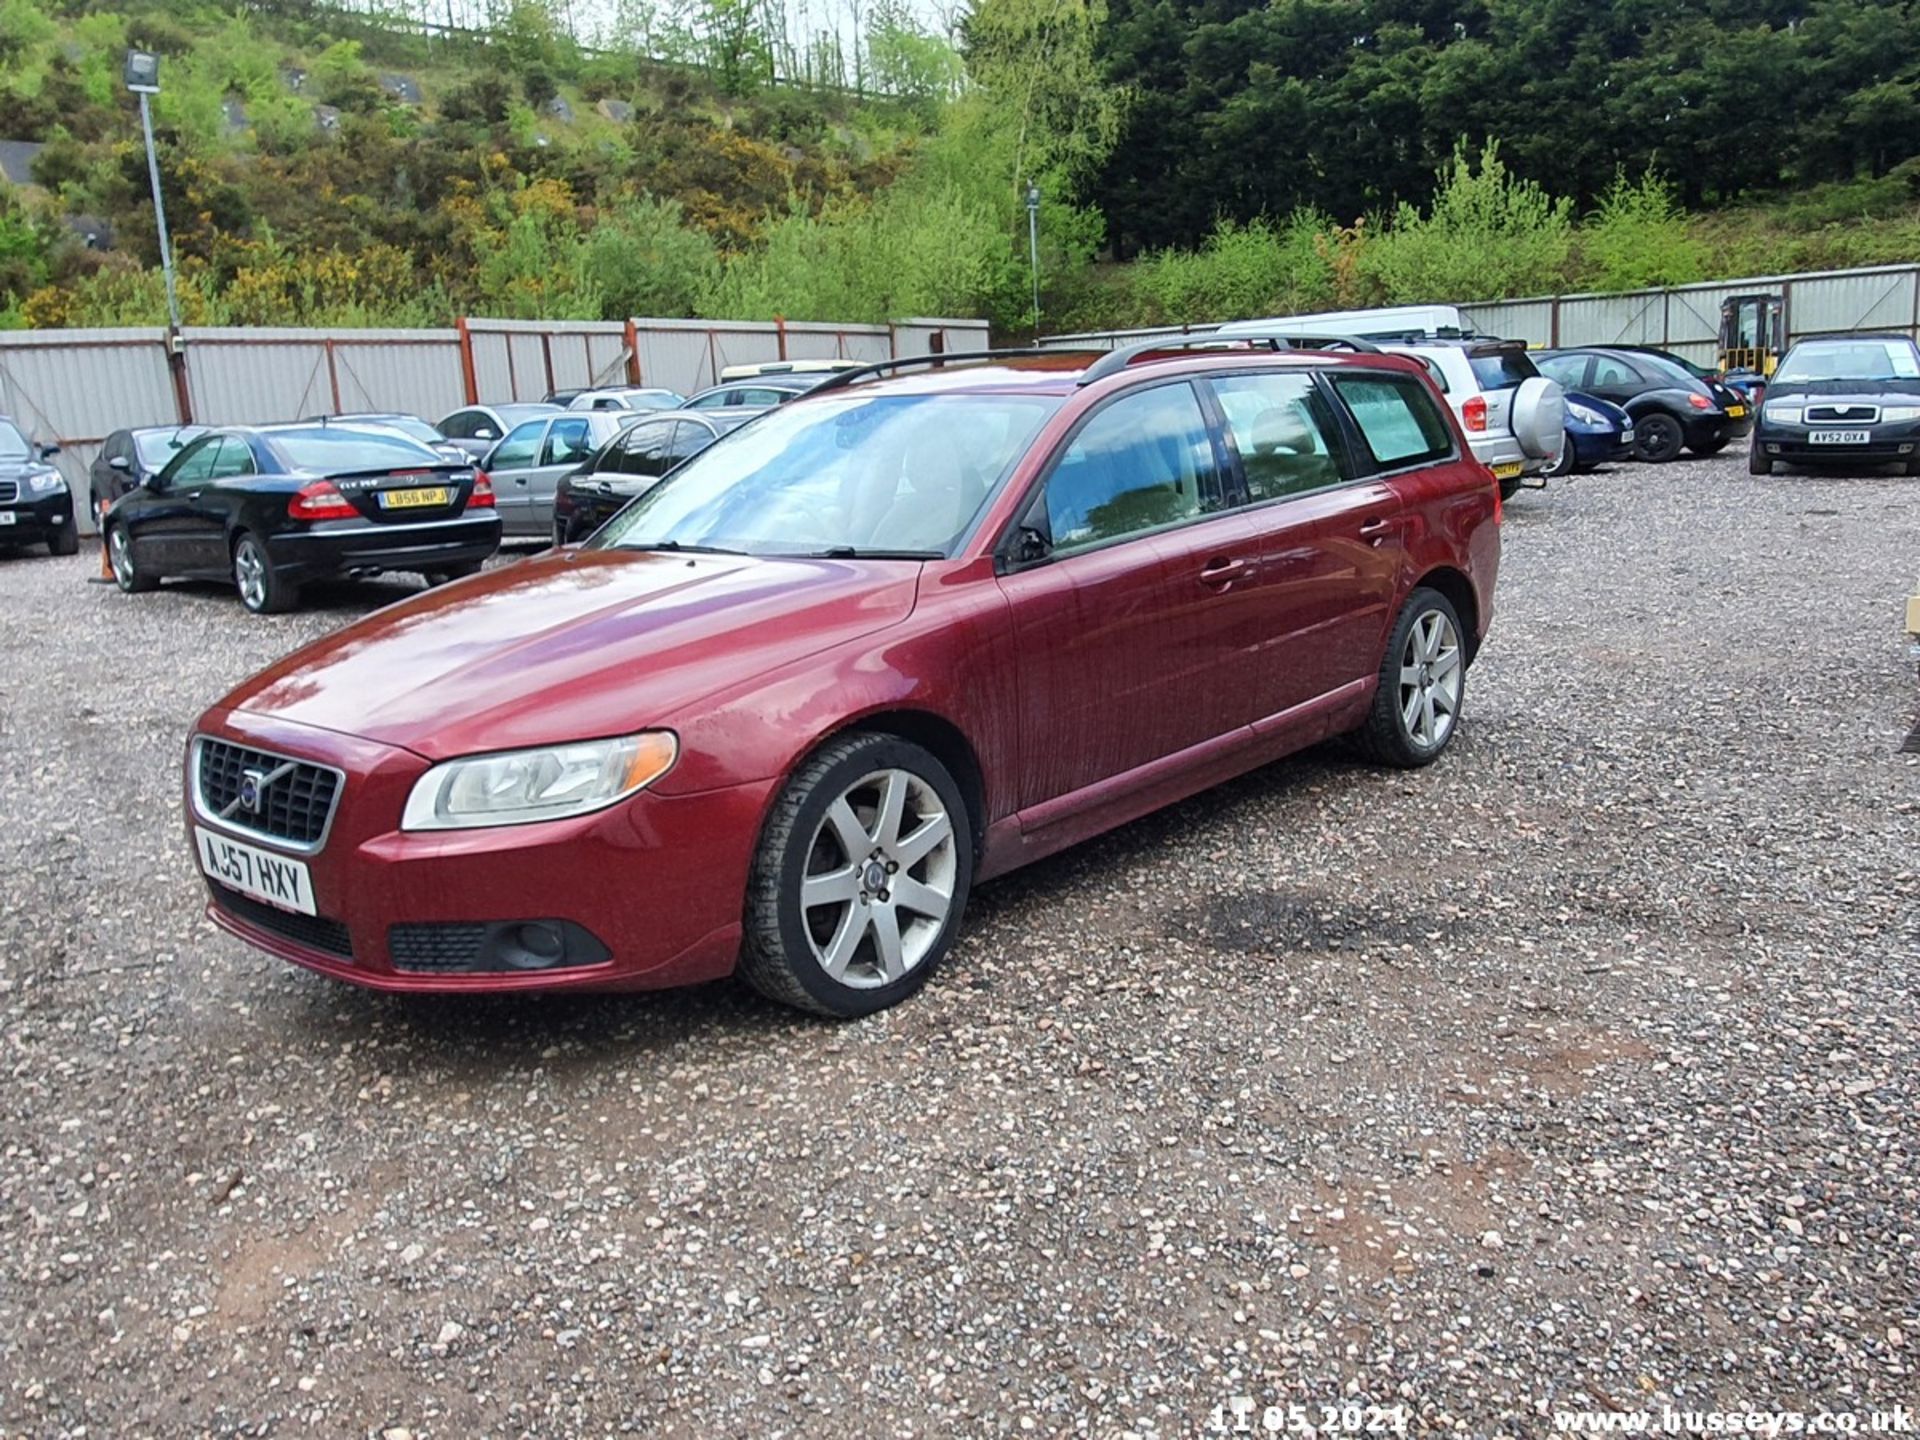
column 1753, row 333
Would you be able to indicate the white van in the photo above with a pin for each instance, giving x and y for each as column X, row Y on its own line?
column 1406, row 323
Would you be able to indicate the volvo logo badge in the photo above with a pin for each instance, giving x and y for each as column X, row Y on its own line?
column 253, row 785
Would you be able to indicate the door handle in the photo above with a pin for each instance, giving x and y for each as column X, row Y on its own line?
column 1222, row 571
column 1377, row 530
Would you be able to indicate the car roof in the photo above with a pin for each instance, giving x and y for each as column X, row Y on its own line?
column 1059, row 372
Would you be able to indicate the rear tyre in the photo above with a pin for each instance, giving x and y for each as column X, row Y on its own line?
column 1657, row 438
column 127, row 573
column 1759, row 464
column 1509, row 487
column 65, row 540
column 263, row 590
column 860, row 881
column 1423, row 684
column 1712, row 447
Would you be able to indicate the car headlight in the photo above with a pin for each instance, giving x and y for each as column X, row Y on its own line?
column 1786, row 414
column 44, row 482
column 554, row 782
column 1585, row 414
column 1899, row 414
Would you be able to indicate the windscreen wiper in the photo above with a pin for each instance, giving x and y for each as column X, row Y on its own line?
column 680, row 548
column 854, row 552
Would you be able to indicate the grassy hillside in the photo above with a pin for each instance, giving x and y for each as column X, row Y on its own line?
column 323, row 168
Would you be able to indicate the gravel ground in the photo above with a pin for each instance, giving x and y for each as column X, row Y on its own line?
column 1578, row 1071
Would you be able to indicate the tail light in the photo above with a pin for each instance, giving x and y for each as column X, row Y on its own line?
column 1474, row 412
column 321, row 500
column 1699, row 402
column 482, row 496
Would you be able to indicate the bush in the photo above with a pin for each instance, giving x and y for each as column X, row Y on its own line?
column 1243, row 271
column 642, row 259
column 1639, row 237
column 1488, row 235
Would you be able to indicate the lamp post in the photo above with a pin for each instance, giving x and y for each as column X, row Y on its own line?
column 1033, row 251
column 143, row 79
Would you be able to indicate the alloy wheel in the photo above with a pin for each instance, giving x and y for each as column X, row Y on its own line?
column 250, row 574
column 879, row 879
column 119, row 557
column 1430, row 680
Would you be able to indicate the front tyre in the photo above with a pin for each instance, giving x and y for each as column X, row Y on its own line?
column 65, row 540
column 1758, row 462
column 1423, row 682
column 263, row 590
column 127, row 573
column 1563, row 462
column 861, row 878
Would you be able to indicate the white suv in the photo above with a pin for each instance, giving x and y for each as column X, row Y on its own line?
column 1515, row 417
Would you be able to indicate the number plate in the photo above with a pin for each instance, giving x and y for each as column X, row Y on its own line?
column 413, row 499
column 267, row 877
column 1736, row 411
column 1507, row 470
column 1839, row 437
column 6, row 517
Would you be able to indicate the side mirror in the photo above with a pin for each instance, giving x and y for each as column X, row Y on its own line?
column 1030, row 546
column 120, row 463
column 47, row 452
column 153, row 483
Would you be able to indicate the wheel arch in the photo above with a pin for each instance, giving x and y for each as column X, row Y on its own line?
column 932, row 732
column 1460, row 593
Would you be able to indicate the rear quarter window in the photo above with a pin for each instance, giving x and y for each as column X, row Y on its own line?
column 1397, row 419
column 1502, row 369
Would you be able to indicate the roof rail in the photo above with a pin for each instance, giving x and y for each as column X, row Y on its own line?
column 840, row 379
column 1114, row 361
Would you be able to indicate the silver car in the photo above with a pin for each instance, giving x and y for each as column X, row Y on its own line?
column 530, row 459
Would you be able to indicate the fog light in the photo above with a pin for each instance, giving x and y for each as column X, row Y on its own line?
column 533, row 946
column 1906, row 449
column 1772, row 449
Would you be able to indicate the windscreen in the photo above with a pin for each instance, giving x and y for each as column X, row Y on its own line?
column 13, row 445
column 849, row 474
column 1501, row 369
column 1849, row 360
column 407, row 425
column 336, row 451
column 156, row 447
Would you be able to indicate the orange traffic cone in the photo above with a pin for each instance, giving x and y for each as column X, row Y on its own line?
column 106, row 566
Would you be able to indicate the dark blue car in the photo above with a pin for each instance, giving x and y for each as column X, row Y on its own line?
column 1598, row 433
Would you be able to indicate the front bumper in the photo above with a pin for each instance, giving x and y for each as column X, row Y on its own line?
column 1600, row 447
column 658, row 881
column 1886, row 444
column 354, row 545
column 37, row 520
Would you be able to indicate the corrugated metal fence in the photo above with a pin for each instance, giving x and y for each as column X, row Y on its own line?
column 1682, row 318
column 76, row 387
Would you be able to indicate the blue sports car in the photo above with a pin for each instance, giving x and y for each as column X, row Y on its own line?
column 1598, row 432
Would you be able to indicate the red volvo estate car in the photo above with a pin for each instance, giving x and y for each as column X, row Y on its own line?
column 925, row 624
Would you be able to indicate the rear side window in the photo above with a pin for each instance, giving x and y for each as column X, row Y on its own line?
column 1502, row 369
column 1397, row 419
column 1280, row 425
column 1144, row 462
column 568, row 441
